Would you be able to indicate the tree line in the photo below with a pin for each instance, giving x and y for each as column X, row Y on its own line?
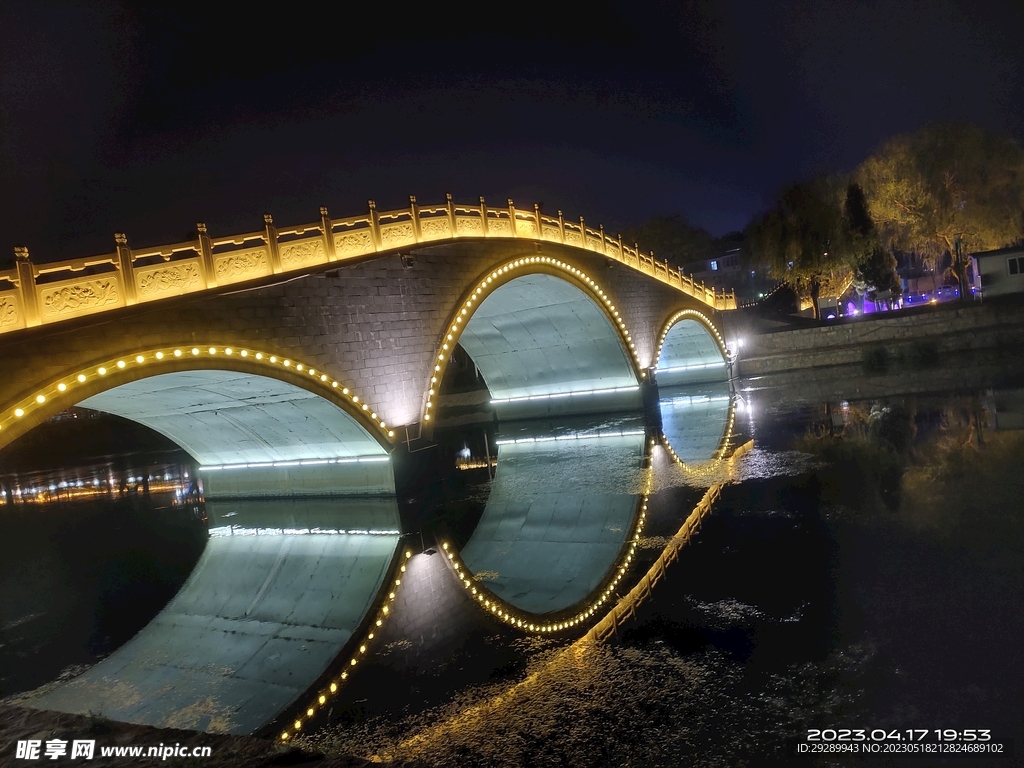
column 937, row 195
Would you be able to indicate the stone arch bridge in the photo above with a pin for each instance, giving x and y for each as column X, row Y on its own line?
column 302, row 362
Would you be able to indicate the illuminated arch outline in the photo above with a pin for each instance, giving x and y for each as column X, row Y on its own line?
column 699, row 317
column 76, row 386
column 329, row 684
column 499, row 276
column 705, row 468
column 117, row 370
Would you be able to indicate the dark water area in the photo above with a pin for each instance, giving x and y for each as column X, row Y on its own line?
column 89, row 554
column 863, row 569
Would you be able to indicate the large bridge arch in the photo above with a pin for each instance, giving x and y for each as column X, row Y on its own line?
column 304, row 534
column 126, row 372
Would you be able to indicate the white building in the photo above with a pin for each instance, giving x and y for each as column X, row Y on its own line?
column 1000, row 271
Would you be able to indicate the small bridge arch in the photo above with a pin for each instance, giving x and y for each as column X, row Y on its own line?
column 690, row 350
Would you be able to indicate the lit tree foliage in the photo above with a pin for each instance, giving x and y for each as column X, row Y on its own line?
column 805, row 239
column 944, row 182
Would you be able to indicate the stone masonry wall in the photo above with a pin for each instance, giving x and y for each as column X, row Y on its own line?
column 943, row 330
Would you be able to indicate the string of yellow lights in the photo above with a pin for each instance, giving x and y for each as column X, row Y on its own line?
column 334, row 684
column 63, row 392
column 698, row 317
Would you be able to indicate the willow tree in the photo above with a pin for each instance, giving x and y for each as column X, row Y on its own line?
column 804, row 239
column 874, row 267
column 944, row 185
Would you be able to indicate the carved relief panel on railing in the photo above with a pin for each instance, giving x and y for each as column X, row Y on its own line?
column 397, row 235
column 243, row 264
column 355, row 242
column 79, row 296
column 171, row 279
column 10, row 311
column 468, row 226
column 302, row 253
column 435, row 228
column 499, row 227
column 525, row 228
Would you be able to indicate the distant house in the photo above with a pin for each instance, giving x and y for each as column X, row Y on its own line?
column 721, row 271
column 1000, row 271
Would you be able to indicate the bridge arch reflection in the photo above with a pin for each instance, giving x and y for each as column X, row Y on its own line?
column 697, row 425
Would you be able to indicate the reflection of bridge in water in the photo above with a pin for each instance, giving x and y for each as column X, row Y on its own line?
column 310, row 420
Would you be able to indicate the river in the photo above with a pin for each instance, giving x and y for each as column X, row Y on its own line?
column 863, row 570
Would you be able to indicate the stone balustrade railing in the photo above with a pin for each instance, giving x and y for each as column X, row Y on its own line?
column 32, row 295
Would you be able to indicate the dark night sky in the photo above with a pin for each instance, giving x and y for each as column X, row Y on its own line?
column 149, row 116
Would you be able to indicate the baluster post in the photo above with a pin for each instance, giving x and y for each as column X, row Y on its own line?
column 206, row 256
column 561, row 225
column 539, row 227
column 374, row 224
column 622, row 253
column 512, row 217
column 270, row 237
column 327, row 230
column 27, row 286
column 483, row 216
column 414, row 216
column 124, row 264
column 604, row 244
column 583, row 232
column 450, row 206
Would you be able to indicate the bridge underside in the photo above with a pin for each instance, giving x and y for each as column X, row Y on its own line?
column 559, row 513
column 690, row 354
column 544, row 347
column 255, row 436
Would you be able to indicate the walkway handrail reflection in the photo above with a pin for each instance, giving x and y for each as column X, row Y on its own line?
column 625, row 608
column 39, row 294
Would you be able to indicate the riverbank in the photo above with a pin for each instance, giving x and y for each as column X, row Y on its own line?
column 913, row 339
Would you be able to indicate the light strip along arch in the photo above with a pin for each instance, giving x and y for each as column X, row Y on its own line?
column 693, row 350
column 19, row 416
column 488, row 283
column 690, row 425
